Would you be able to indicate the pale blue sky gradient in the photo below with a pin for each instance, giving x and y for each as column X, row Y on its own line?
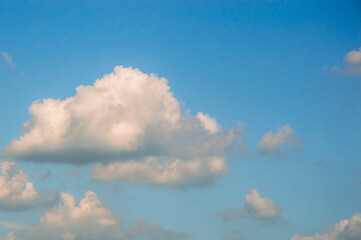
column 262, row 63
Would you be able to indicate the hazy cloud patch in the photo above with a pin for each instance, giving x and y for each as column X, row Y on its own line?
column 8, row 59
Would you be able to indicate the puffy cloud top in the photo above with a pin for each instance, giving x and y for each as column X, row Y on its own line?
column 172, row 173
column 344, row 230
column 261, row 208
column 88, row 220
column 17, row 193
column 255, row 207
column 353, row 59
column 132, row 119
column 125, row 115
column 271, row 143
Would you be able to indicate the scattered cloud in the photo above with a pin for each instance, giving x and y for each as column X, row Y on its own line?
column 8, row 59
column 88, row 220
column 141, row 228
column 255, row 207
column 344, row 230
column 353, row 62
column 352, row 67
column 229, row 214
column 319, row 163
column 261, row 208
column 45, row 175
column 357, row 182
column 11, row 225
column 126, row 117
column 17, row 193
column 172, row 172
column 114, row 187
column 275, row 143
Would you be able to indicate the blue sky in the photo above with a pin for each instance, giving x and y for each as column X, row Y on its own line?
column 290, row 67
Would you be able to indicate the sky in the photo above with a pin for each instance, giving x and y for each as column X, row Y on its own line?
column 173, row 120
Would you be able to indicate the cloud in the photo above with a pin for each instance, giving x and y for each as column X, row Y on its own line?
column 273, row 143
column 17, row 193
column 45, row 175
column 141, row 228
column 344, row 230
column 255, row 207
column 11, row 225
column 353, row 61
column 126, row 117
column 261, row 208
column 319, row 163
column 229, row 214
column 8, row 59
column 88, row 220
column 172, row 172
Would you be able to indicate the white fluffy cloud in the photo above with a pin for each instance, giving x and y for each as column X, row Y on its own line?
column 129, row 117
column 353, row 60
column 273, row 143
column 255, row 206
column 17, row 193
column 172, row 172
column 344, row 230
column 88, row 220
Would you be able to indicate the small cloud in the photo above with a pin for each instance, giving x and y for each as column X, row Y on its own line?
column 8, row 59
column 255, row 207
column 348, row 229
column 229, row 214
column 11, row 225
column 357, row 182
column 353, row 63
column 73, row 174
column 45, row 175
column 280, row 143
column 261, row 208
column 242, row 150
column 115, row 187
column 318, row 163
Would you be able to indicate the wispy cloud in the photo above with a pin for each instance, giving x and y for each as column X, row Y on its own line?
column 8, row 59
column 11, row 225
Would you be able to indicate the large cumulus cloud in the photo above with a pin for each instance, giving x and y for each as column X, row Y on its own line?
column 125, row 116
